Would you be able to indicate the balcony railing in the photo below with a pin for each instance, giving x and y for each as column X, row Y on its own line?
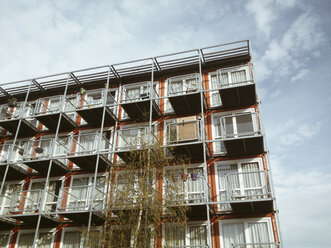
column 248, row 186
column 239, row 126
column 183, row 131
column 26, row 201
column 183, row 85
column 96, row 98
column 81, row 198
column 54, row 104
column 136, row 138
column 256, row 245
column 38, row 149
column 88, row 143
column 15, row 110
column 139, row 93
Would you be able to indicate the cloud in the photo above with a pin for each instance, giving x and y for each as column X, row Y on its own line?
column 263, row 14
column 300, row 75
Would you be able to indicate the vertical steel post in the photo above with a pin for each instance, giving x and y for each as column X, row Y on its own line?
column 209, row 241
column 43, row 198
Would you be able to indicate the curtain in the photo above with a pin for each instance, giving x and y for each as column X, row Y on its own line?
column 233, row 234
column 12, row 194
column 215, row 96
column 52, row 195
column 174, row 236
column 191, row 84
column 224, row 79
column 244, row 124
column 233, row 179
column 54, row 104
column 238, row 77
column 258, row 233
column 26, row 240
column 195, row 185
column 198, row 236
column 252, row 181
column 79, row 193
column 86, row 142
column 71, row 239
column 33, row 201
column 4, row 240
column 45, row 240
column 132, row 94
column 176, row 87
column 98, row 195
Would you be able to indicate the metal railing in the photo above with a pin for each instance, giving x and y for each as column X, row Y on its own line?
column 81, row 198
column 139, row 93
column 136, row 138
column 247, row 186
column 256, row 245
column 183, row 131
column 95, row 98
column 88, row 143
column 239, row 125
column 53, row 104
column 16, row 110
column 26, row 201
column 184, row 84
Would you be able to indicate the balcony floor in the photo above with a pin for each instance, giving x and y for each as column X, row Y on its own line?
column 82, row 217
column 51, row 122
column 26, row 128
column 139, row 110
column 13, row 173
column 32, row 219
column 258, row 206
column 238, row 96
column 93, row 116
column 88, row 162
column 42, row 166
column 187, row 103
column 244, row 146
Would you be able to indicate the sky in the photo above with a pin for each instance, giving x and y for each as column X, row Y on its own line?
column 290, row 42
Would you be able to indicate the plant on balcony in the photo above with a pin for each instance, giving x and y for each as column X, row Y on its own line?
column 139, row 202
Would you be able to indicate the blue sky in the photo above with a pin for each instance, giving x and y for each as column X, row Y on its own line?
column 290, row 42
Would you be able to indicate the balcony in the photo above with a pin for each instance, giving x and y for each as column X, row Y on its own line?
column 38, row 154
column 84, row 150
column 249, row 192
column 9, row 154
column 184, row 94
column 136, row 101
column 92, row 103
column 256, row 245
column 236, row 88
column 187, row 187
column 241, row 134
column 48, row 111
column 26, row 205
column 12, row 112
column 76, row 202
column 184, row 138
column 135, row 139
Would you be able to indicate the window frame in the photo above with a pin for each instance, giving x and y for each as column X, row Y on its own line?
column 233, row 114
column 245, row 222
column 238, row 162
column 43, row 230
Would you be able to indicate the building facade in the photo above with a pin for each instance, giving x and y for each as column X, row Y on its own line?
column 60, row 134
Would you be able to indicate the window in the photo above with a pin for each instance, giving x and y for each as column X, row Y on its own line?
column 185, row 129
column 8, row 197
column 240, row 180
column 72, row 239
column 247, row 233
column 79, row 193
column 25, row 240
column 233, row 125
column 183, row 85
column 191, row 235
column 227, row 77
column 186, row 185
column 135, row 136
column 4, row 239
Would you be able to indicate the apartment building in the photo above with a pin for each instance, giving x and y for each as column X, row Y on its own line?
column 60, row 134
